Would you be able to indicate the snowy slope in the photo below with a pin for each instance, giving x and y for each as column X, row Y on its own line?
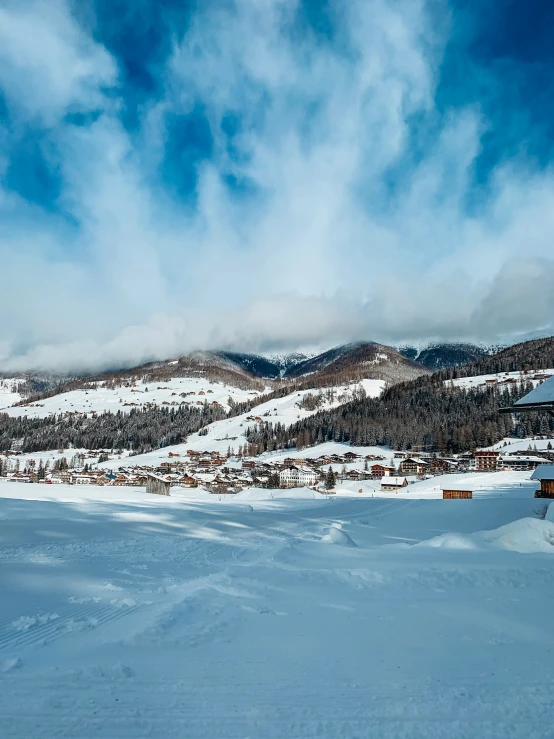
column 8, row 391
column 230, row 432
column 522, row 445
column 500, row 378
column 138, row 396
column 127, row 615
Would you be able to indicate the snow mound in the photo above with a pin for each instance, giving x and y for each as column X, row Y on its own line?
column 268, row 494
column 526, row 536
column 337, row 536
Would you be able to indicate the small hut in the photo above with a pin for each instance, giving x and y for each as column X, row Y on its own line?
column 544, row 473
column 457, row 494
column 157, row 484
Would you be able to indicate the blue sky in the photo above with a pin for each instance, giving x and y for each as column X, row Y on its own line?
column 272, row 174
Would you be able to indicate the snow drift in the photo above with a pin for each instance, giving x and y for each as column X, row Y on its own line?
column 528, row 535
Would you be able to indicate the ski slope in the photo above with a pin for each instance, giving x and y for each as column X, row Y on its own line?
column 128, row 615
column 139, row 395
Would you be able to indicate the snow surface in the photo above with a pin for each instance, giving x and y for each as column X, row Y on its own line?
column 132, row 615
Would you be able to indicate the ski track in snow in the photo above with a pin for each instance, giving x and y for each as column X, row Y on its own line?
column 147, row 617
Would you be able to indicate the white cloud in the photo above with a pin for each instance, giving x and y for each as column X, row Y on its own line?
column 324, row 249
column 47, row 62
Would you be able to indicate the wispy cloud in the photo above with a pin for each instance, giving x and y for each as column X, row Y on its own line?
column 283, row 187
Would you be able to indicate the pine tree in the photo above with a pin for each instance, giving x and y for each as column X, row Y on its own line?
column 330, row 479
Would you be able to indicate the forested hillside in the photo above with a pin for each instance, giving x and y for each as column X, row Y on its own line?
column 141, row 430
column 421, row 415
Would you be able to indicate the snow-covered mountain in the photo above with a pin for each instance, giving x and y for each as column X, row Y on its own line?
column 439, row 356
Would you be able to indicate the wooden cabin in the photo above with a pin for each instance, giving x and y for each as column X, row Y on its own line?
column 156, row 484
column 544, row 473
column 457, row 494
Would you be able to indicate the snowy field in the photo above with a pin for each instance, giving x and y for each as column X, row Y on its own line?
column 128, row 615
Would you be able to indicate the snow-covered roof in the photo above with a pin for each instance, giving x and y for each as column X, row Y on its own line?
column 543, row 393
column 520, row 458
column 390, row 480
column 544, row 472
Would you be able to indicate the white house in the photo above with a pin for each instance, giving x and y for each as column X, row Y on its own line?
column 393, row 483
column 297, row 477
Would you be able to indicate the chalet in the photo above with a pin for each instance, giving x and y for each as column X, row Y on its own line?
column 351, row 457
column 187, row 482
column 486, row 461
column 390, row 483
column 413, row 466
column 356, row 475
column 544, row 473
column 173, row 454
column 440, row 466
column 248, row 464
column 120, row 480
column 157, row 484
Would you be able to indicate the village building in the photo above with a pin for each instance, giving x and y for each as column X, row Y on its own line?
column 413, row 466
column 486, row 461
column 522, row 462
column 295, row 477
column 381, row 470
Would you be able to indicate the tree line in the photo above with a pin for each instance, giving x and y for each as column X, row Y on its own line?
column 141, row 430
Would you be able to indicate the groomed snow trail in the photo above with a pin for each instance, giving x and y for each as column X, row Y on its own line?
column 146, row 617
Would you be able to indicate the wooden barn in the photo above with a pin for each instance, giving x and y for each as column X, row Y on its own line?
column 156, row 484
column 544, row 473
column 457, row 494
